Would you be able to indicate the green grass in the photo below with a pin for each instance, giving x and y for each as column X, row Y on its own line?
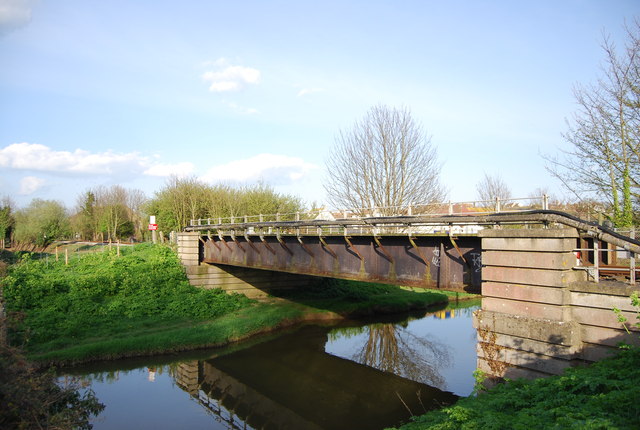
column 166, row 338
column 362, row 298
column 104, row 306
column 102, row 298
column 602, row 396
column 455, row 295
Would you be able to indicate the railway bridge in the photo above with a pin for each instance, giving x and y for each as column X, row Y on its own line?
column 539, row 271
column 451, row 252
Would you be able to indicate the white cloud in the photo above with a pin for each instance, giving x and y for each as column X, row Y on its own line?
column 230, row 78
column 14, row 14
column 30, row 184
column 306, row 91
column 32, row 156
column 271, row 168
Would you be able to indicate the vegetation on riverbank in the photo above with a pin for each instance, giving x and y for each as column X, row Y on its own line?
column 31, row 399
column 603, row 395
column 352, row 298
column 104, row 306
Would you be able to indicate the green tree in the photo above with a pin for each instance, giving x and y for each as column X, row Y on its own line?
column 184, row 199
column 7, row 220
column 42, row 222
column 262, row 199
column 84, row 221
column 178, row 202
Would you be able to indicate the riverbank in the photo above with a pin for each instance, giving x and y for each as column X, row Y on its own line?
column 603, row 395
column 137, row 302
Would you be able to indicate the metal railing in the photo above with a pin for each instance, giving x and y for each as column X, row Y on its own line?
column 591, row 260
column 441, row 218
column 477, row 207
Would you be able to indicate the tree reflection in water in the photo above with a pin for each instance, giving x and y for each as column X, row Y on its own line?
column 395, row 349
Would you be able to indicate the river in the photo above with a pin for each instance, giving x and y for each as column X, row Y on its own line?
column 364, row 374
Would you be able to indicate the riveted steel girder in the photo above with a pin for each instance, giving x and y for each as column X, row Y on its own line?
column 421, row 261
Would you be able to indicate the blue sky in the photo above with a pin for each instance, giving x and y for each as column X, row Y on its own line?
column 129, row 92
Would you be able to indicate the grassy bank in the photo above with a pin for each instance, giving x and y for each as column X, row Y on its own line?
column 602, row 396
column 103, row 305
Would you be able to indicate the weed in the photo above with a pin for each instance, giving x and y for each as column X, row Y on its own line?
column 635, row 301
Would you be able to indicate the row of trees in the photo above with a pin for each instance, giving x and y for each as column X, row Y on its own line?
column 182, row 200
column 116, row 213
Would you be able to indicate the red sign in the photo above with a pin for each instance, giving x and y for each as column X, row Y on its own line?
column 153, row 226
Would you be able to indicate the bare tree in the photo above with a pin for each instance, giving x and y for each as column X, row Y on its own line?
column 114, row 211
column 492, row 187
column 394, row 349
column 603, row 158
column 136, row 200
column 385, row 160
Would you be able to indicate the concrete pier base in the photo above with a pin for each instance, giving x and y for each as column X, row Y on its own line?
column 539, row 314
column 253, row 283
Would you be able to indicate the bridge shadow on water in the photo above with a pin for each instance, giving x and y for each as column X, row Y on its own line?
column 294, row 383
column 292, row 380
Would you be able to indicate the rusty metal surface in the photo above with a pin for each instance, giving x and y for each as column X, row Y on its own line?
column 430, row 261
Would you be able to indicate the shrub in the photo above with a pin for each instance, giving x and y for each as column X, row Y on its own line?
column 32, row 399
column 99, row 290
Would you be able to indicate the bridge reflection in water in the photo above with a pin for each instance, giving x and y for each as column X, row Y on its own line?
column 303, row 387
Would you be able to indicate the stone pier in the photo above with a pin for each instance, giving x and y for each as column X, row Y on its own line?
column 253, row 283
column 539, row 314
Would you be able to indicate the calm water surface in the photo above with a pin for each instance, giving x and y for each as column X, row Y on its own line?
column 365, row 376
